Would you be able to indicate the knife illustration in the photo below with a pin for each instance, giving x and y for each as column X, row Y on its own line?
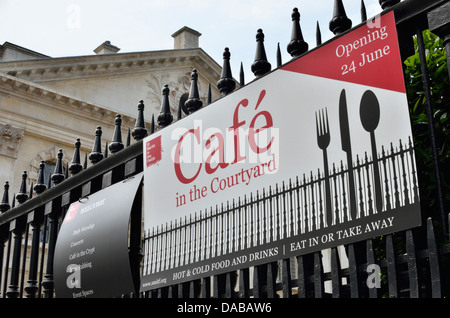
column 346, row 147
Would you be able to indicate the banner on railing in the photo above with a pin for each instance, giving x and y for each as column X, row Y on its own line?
column 92, row 250
column 315, row 154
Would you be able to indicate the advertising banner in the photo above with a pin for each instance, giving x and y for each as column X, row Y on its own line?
column 91, row 253
column 315, row 154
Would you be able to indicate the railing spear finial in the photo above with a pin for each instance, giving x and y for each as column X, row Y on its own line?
column 31, row 191
column 363, row 12
column 76, row 166
column 261, row 65
column 66, row 171
column 116, row 143
column 165, row 117
column 279, row 59
column 297, row 46
column 152, row 127
column 128, row 137
column 105, row 153
column 226, row 83
column 139, row 131
column 318, row 35
column 4, row 205
column 340, row 22
column 58, row 176
column 22, row 195
column 96, row 154
column 179, row 112
column 85, row 161
column 40, row 183
column 193, row 103
column 241, row 76
column 209, row 97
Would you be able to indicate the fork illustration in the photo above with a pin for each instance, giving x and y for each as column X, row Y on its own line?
column 323, row 140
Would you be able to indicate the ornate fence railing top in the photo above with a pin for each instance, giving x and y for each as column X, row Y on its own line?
column 31, row 218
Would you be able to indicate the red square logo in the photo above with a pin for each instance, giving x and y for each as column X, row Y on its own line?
column 72, row 212
column 153, row 151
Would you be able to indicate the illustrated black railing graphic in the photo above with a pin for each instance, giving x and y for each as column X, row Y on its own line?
column 414, row 262
column 285, row 210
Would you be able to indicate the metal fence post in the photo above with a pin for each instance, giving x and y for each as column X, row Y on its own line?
column 17, row 228
column 439, row 23
column 431, row 125
column 52, row 211
column 35, row 219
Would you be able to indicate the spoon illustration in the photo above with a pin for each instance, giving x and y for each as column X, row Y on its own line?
column 369, row 112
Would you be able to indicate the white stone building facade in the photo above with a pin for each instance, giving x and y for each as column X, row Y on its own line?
column 47, row 103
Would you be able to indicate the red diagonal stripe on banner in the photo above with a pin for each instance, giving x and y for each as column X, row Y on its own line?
column 368, row 55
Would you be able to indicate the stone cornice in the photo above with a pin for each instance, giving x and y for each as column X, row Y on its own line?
column 16, row 86
column 41, row 70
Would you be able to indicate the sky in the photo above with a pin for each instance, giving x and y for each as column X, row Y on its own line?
column 59, row 28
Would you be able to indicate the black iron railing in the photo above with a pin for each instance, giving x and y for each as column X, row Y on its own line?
column 411, row 261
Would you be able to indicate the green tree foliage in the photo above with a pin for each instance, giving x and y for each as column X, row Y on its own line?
column 440, row 95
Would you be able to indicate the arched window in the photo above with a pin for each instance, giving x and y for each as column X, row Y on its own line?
column 49, row 158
